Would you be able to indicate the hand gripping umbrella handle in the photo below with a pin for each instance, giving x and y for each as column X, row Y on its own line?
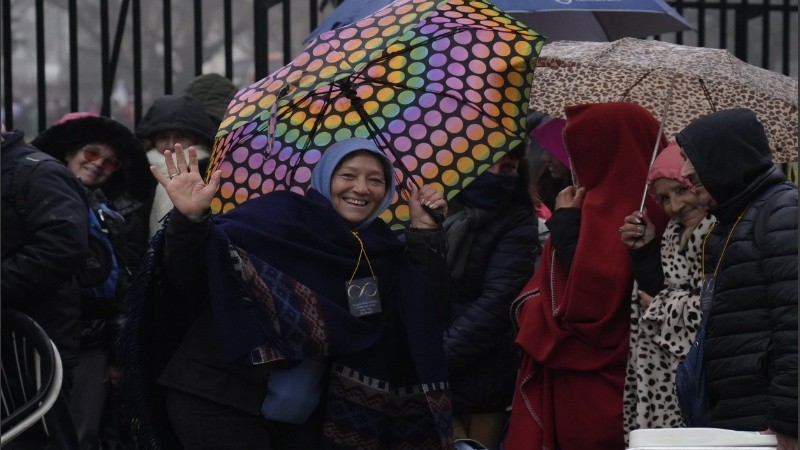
column 436, row 214
column 664, row 115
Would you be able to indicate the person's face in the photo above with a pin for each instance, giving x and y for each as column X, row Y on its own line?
column 166, row 140
column 554, row 166
column 358, row 187
column 507, row 165
column 688, row 172
column 678, row 201
column 93, row 163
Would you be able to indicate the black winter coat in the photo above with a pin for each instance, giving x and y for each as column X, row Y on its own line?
column 751, row 343
column 479, row 343
column 43, row 247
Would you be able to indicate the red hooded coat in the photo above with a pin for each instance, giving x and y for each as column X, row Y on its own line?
column 573, row 327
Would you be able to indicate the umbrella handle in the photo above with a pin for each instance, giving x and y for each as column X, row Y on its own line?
column 435, row 213
column 664, row 115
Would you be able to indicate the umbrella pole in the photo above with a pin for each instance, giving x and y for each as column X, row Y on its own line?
column 664, row 115
column 355, row 101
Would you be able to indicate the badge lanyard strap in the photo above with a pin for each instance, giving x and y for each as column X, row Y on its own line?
column 727, row 240
column 358, row 263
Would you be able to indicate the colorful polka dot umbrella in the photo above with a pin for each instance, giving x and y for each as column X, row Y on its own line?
column 441, row 86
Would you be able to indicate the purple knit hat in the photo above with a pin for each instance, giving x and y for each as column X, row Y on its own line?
column 550, row 137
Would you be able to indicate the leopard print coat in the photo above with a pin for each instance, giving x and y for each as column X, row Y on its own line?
column 662, row 334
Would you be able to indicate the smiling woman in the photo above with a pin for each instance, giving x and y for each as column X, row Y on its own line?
column 356, row 178
column 110, row 163
column 93, row 163
column 665, row 311
column 100, row 151
column 308, row 296
column 357, row 187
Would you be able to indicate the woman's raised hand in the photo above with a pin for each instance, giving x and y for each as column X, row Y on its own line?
column 423, row 197
column 570, row 197
column 637, row 230
column 184, row 183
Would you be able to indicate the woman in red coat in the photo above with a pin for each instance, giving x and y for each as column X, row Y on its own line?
column 573, row 315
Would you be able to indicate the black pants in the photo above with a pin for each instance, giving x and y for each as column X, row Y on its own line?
column 204, row 424
column 88, row 396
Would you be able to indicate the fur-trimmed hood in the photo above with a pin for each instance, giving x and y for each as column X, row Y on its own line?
column 78, row 129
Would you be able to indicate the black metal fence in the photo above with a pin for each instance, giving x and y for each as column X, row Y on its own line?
column 115, row 56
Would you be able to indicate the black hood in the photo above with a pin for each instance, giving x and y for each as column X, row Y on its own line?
column 178, row 113
column 730, row 152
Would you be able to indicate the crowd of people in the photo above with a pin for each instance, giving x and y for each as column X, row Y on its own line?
column 552, row 307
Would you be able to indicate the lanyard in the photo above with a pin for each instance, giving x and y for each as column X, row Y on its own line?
column 358, row 263
column 724, row 248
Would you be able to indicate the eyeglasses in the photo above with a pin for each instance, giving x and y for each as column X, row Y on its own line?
column 92, row 153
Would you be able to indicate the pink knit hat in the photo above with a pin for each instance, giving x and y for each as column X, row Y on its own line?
column 668, row 164
column 550, row 137
column 74, row 115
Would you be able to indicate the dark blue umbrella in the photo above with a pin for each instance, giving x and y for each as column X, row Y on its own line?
column 576, row 20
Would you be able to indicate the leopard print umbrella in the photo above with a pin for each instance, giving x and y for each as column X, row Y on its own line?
column 640, row 71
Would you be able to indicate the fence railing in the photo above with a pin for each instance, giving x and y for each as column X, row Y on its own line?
column 115, row 56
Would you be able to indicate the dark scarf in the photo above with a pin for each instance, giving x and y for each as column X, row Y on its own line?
column 474, row 207
column 489, row 191
column 277, row 284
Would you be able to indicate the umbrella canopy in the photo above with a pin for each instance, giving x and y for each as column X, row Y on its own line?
column 596, row 20
column 441, row 86
column 577, row 20
column 704, row 80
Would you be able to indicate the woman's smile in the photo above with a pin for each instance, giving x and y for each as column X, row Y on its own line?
column 357, row 187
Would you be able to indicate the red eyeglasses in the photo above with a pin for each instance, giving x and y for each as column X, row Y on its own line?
column 109, row 163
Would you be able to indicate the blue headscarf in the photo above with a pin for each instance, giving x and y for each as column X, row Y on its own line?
column 333, row 155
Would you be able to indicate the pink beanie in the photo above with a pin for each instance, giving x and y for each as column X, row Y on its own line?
column 668, row 164
column 550, row 137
